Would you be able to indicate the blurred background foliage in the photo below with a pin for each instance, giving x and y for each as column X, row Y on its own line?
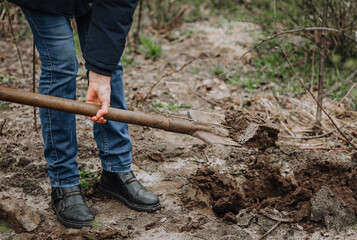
column 269, row 66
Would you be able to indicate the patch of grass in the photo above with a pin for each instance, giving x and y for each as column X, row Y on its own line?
column 150, row 47
column 3, row 104
column 168, row 107
column 4, row 226
column 218, row 70
column 5, row 78
column 88, row 179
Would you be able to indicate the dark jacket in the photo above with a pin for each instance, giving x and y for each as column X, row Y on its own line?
column 110, row 24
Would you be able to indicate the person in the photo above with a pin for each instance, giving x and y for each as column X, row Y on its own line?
column 102, row 29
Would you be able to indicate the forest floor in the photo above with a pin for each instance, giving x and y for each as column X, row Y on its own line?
column 299, row 189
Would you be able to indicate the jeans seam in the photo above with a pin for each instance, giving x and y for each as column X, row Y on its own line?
column 105, row 142
column 48, row 90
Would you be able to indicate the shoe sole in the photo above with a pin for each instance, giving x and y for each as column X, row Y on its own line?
column 137, row 207
column 70, row 224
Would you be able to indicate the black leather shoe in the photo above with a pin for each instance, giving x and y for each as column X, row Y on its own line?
column 126, row 188
column 70, row 207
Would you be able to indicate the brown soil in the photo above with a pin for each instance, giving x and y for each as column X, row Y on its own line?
column 265, row 186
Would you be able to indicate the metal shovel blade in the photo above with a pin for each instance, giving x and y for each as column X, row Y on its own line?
column 218, row 134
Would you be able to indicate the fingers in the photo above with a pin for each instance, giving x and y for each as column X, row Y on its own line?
column 99, row 93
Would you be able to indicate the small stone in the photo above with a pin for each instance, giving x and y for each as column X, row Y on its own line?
column 299, row 227
column 244, row 218
column 18, row 213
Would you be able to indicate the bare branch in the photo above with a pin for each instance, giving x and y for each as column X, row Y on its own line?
column 320, row 94
column 307, row 29
column 312, row 95
column 13, row 36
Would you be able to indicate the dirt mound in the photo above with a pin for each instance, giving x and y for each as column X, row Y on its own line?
column 251, row 130
column 266, row 185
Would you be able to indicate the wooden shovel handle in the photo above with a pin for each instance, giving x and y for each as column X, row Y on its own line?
column 71, row 106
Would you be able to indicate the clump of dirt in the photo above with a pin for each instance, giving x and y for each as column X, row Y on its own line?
column 217, row 191
column 251, row 130
column 266, row 186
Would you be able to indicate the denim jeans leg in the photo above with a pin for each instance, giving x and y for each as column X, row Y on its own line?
column 54, row 41
column 113, row 138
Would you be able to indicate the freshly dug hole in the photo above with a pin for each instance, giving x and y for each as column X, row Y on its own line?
column 266, row 187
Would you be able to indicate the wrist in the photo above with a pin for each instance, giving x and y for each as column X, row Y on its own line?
column 98, row 78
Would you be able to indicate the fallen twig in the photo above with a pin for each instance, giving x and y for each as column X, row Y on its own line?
column 324, row 149
column 2, row 126
column 207, row 100
column 309, row 137
column 270, row 230
column 320, row 94
column 171, row 73
column 278, row 219
column 34, row 82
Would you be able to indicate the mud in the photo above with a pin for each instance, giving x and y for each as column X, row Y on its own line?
column 251, row 130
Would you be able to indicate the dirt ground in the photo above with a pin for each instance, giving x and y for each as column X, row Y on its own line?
column 207, row 192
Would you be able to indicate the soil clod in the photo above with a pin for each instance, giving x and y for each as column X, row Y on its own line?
column 331, row 210
column 251, row 130
column 20, row 216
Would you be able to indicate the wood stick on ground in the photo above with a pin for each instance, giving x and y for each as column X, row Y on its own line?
column 270, row 230
column 170, row 74
column 2, row 126
column 311, row 137
column 312, row 95
column 278, row 219
column 34, row 81
column 320, row 94
column 13, row 37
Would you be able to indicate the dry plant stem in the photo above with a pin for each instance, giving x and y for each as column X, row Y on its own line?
column 312, row 137
column 270, row 230
column 313, row 63
column 34, row 81
column 13, row 37
column 312, row 95
column 136, row 35
column 207, row 100
column 170, row 74
column 321, row 67
column 339, row 84
column 2, row 126
column 283, row 220
column 348, row 93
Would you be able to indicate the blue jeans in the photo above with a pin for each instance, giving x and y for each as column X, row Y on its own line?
column 54, row 41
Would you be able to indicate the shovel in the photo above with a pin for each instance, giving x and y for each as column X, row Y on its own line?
column 197, row 125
